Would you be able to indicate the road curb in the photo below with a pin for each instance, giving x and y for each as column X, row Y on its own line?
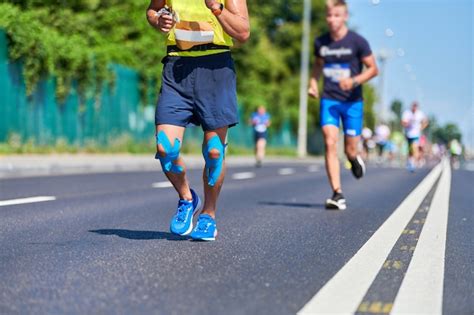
column 14, row 166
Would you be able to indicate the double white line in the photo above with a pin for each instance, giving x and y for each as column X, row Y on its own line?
column 421, row 291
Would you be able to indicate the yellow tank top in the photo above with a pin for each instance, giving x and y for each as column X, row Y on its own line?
column 197, row 25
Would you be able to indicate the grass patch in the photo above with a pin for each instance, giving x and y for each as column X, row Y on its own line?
column 121, row 144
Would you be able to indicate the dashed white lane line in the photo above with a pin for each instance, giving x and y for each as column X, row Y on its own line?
column 470, row 167
column 313, row 168
column 286, row 171
column 337, row 296
column 421, row 291
column 243, row 175
column 26, row 200
column 162, row 185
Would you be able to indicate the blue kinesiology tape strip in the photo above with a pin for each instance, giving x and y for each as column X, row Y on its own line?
column 213, row 166
column 172, row 153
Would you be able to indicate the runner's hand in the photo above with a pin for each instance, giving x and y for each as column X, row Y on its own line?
column 313, row 90
column 210, row 3
column 346, row 84
column 165, row 23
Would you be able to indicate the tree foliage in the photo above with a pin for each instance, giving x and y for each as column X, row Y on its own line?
column 444, row 134
column 396, row 107
column 77, row 40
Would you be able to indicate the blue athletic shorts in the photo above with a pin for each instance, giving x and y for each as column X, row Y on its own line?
column 198, row 91
column 351, row 113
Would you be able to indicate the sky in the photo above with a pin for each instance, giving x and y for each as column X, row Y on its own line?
column 429, row 44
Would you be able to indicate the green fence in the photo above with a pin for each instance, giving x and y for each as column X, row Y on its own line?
column 116, row 113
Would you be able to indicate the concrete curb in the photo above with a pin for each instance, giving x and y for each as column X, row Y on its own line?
column 12, row 166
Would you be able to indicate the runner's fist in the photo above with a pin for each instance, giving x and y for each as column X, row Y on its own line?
column 313, row 90
column 211, row 4
column 346, row 84
column 166, row 22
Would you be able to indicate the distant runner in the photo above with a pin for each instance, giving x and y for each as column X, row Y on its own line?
column 413, row 122
column 260, row 121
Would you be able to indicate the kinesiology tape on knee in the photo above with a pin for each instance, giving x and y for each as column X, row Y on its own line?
column 171, row 153
column 213, row 166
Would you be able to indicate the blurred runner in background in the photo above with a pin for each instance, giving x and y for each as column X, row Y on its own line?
column 382, row 136
column 413, row 122
column 260, row 121
column 367, row 142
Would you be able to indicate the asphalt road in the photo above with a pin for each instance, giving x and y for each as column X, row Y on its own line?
column 100, row 244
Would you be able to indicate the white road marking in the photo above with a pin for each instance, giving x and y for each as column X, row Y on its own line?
column 286, row 171
column 313, row 168
column 469, row 167
column 421, row 291
column 26, row 200
column 162, row 185
column 243, row 175
column 344, row 292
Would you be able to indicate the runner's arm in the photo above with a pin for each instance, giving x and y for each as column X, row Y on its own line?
column 313, row 90
column 405, row 119
column 269, row 122
column 424, row 123
column 370, row 71
column 163, row 23
column 234, row 18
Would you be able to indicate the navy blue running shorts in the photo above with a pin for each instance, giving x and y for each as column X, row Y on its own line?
column 260, row 135
column 198, row 91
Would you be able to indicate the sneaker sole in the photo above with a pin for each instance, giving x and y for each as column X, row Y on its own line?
column 362, row 166
column 361, row 162
column 207, row 239
column 331, row 205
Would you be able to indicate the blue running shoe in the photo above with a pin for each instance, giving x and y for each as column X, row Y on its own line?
column 205, row 229
column 182, row 221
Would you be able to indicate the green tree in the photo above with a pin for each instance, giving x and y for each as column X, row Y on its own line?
column 444, row 134
column 397, row 108
column 78, row 40
column 369, row 101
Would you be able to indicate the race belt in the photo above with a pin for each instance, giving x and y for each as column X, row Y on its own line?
column 203, row 47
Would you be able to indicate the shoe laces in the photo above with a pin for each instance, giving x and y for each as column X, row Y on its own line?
column 181, row 214
column 203, row 224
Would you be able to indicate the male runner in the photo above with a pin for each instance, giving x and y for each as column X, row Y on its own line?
column 199, row 87
column 367, row 143
column 413, row 121
column 382, row 137
column 340, row 57
column 260, row 121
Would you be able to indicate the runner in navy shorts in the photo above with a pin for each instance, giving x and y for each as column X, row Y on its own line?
column 260, row 121
column 198, row 91
column 198, row 88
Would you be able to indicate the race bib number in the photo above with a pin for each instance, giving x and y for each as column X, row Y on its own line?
column 337, row 71
column 189, row 34
column 260, row 128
